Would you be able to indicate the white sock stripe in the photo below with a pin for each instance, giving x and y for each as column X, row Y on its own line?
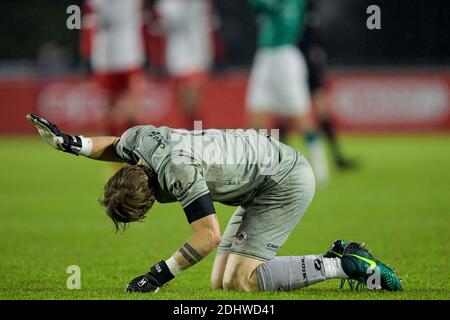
column 173, row 266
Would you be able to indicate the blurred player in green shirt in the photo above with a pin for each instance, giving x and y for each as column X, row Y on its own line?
column 278, row 81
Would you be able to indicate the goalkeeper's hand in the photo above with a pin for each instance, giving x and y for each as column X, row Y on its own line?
column 55, row 137
column 143, row 284
column 152, row 281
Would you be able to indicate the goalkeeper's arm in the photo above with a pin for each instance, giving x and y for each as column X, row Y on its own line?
column 103, row 149
column 98, row 148
column 205, row 239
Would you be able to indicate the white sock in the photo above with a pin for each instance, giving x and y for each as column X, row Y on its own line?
column 173, row 266
column 319, row 164
column 333, row 268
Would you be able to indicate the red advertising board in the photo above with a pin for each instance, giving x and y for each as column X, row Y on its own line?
column 371, row 101
column 78, row 104
column 389, row 101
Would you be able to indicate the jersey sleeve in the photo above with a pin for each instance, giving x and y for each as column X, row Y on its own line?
column 123, row 148
column 184, row 181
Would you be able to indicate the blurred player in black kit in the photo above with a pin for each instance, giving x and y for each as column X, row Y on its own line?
column 316, row 59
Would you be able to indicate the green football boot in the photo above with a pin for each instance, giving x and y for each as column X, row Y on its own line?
column 337, row 251
column 360, row 265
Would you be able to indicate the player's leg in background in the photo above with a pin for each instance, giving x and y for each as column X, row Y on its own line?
column 188, row 93
column 315, row 62
column 114, row 87
column 260, row 102
column 260, row 119
column 328, row 129
column 290, row 82
column 251, row 265
column 305, row 124
column 135, row 81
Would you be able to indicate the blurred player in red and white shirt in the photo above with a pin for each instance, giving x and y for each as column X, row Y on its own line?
column 187, row 27
column 113, row 41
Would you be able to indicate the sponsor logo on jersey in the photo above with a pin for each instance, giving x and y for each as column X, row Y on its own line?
column 158, row 138
column 272, row 247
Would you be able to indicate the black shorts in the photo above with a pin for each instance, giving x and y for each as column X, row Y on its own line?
column 315, row 76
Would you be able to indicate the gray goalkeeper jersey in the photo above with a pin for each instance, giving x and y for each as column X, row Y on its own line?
column 232, row 165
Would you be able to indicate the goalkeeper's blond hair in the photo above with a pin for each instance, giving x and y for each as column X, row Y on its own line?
column 129, row 194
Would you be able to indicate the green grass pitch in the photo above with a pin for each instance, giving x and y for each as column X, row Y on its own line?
column 398, row 203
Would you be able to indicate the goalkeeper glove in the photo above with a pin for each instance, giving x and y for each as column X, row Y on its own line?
column 59, row 140
column 152, row 281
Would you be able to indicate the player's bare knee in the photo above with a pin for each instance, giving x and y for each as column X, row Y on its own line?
column 216, row 280
column 218, row 269
column 238, row 280
column 237, row 284
column 233, row 284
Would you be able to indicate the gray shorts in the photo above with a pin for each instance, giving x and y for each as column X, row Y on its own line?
column 259, row 229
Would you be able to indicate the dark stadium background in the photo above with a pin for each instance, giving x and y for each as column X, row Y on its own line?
column 414, row 32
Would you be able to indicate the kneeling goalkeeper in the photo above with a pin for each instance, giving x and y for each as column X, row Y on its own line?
column 270, row 183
